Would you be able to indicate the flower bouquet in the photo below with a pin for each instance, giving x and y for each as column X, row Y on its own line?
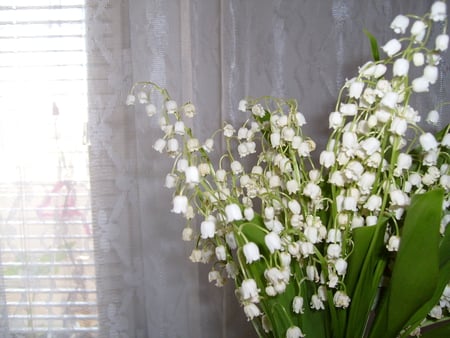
column 354, row 246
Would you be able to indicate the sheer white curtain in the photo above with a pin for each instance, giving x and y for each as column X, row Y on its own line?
column 213, row 53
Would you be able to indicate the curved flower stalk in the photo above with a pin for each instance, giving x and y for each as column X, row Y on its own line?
column 356, row 245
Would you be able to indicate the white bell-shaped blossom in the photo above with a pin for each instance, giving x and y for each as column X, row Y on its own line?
column 335, row 120
column 294, row 206
column 431, row 73
column 170, row 181
column 399, row 24
column 249, row 213
column 251, row 311
column 243, row 105
column 334, row 250
column 208, row 228
column 159, row 145
column 251, row 252
column 221, row 253
column 327, row 158
column 180, row 204
column 438, row 11
column 300, row 119
column 420, row 85
column 390, row 99
column 393, row 243
column 341, row 266
column 418, row 29
column 294, row 332
column 179, row 128
column 171, row 106
column 356, row 88
column 316, row 303
column 297, row 305
column 273, row 242
column 392, row 47
column 398, row 126
column 401, row 67
column 192, row 175
column 428, row 141
column 348, row 109
column 249, row 290
column 433, row 117
column 442, row 42
column 150, row 109
column 341, row 299
column 233, row 212
column 373, row 203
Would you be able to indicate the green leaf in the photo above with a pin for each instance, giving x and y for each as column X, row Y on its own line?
column 438, row 330
column 416, row 268
column 365, row 268
column 373, row 45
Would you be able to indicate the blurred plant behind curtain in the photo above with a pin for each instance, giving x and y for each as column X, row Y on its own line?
column 114, row 254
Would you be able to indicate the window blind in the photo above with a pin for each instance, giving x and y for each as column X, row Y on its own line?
column 47, row 267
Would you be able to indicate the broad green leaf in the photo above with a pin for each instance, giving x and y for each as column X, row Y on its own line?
column 365, row 268
column 416, row 267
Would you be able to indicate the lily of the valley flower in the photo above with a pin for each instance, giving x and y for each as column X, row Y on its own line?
column 180, row 204
column 273, row 241
column 392, row 47
column 294, row 332
column 251, row 252
column 399, row 24
column 442, row 42
column 438, row 11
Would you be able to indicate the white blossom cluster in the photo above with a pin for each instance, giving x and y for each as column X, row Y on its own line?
column 303, row 214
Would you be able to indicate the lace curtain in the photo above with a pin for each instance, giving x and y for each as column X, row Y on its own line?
column 213, row 53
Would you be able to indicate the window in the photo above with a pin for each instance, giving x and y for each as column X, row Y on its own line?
column 47, row 268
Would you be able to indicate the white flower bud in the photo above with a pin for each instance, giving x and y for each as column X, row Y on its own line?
column 433, row 117
column 335, row 235
column 292, row 186
column 300, row 119
column 418, row 59
column 398, row 126
column 335, row 120
column 236, row 167
column 373, row 203
column 187, row 234
column 393, row 243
